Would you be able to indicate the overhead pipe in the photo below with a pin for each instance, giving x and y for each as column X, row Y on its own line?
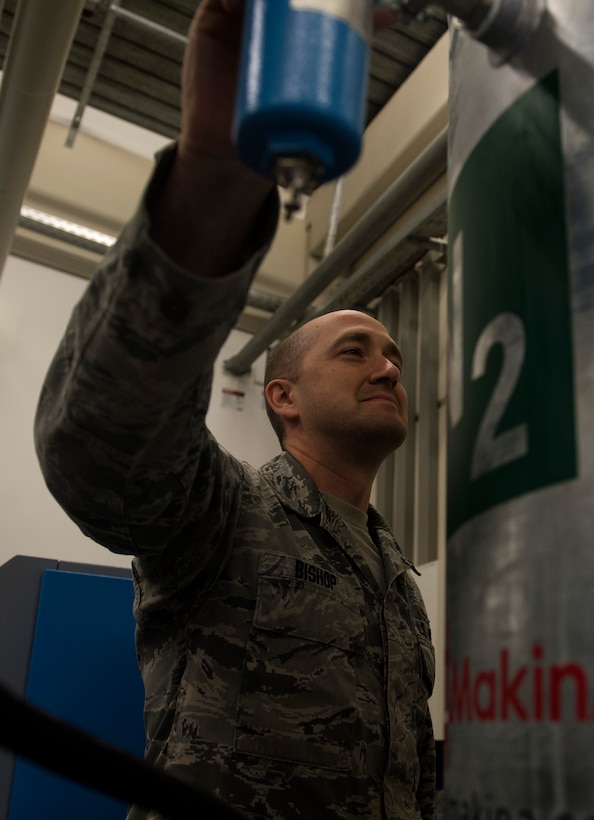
column 403, row 192
column 471, row 12
column 502, row 25
column 37, row 52
column 149, row 25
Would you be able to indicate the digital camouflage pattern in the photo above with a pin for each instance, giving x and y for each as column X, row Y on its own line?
column 276, row 674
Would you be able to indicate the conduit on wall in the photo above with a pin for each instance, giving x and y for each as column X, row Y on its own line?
column 38, row 49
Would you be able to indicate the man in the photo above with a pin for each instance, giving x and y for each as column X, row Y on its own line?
column 283, row 643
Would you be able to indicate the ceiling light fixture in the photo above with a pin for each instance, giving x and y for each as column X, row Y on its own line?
column 63, row 226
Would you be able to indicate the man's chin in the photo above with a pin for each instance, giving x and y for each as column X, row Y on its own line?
column 390, row 436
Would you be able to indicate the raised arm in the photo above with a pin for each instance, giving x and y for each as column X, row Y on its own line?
column 120, row 425
column 208, row 188
column 211, row 202
column 120, row 429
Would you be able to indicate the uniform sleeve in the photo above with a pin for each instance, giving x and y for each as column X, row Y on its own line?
column 120, row 425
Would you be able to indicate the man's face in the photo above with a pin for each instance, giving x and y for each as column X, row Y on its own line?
column 349, row 388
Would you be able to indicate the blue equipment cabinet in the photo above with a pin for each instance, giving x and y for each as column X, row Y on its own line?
column 82, row 669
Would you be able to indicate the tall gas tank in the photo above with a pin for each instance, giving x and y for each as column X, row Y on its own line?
column 520, row 559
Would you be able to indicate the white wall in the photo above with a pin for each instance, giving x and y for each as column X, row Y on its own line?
column 239, row 421
column 35, row 304
column 431, row 582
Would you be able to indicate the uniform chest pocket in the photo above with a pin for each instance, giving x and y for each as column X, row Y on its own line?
column 298, row 699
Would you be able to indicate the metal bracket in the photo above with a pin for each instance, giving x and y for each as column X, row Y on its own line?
column 113, row 10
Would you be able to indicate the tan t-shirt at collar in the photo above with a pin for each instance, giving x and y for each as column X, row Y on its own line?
column 356, row 522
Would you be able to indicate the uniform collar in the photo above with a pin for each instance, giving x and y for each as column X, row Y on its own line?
column 298, row 492
column 293, row 485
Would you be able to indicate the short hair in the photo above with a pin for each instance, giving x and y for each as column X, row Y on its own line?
column 284, row 362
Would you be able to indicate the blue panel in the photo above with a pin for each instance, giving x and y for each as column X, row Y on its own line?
column 83, row 670
column 20, row 581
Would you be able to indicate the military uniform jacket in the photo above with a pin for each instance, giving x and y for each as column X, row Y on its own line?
column 277, row 674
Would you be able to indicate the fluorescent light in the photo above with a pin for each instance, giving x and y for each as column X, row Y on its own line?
column 65, row 226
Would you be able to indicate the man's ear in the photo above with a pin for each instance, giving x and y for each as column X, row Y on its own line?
column 281, row 397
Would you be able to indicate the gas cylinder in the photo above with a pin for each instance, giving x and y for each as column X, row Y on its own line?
column 520, row 509
column 300, row 109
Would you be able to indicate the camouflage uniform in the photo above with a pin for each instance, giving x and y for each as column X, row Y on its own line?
column 277, row 675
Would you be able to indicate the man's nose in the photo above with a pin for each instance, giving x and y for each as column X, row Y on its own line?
column 387, row 370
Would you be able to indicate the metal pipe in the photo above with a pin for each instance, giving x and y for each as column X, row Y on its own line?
column 144, row 22
column 379, row 271
column 509, row 26
column 504, row 26
column 262, row 300
column 38, row 49
column 430, row 165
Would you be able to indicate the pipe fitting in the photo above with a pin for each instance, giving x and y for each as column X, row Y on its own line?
column 504, row 26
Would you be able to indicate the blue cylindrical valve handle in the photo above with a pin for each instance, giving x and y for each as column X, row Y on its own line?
column 303, row 87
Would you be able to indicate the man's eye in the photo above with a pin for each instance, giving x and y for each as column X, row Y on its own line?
column 356, row 351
